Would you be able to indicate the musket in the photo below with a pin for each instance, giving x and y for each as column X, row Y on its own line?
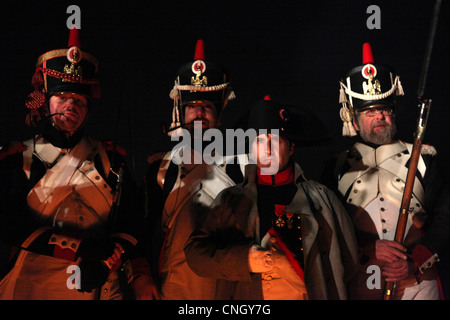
column 424, row 105
column 409, row 183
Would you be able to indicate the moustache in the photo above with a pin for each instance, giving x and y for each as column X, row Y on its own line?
column 191, row 123
column 380, row 123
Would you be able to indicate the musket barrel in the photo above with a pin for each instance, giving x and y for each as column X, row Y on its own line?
column 429, row 48
column 421, row 125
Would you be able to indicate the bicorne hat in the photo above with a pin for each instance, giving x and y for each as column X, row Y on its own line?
column 366, row 86
column 63, row 70
column 298, row 124
column 200, row 80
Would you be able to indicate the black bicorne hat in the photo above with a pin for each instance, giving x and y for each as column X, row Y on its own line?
column 200, row 80
column 298, row 124
column 367, row 86
column 63, row 70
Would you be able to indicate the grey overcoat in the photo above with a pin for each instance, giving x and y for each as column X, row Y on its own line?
column 220, row 248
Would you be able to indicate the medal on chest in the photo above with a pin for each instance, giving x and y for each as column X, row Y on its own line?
column 288, row 226
column 284, row 218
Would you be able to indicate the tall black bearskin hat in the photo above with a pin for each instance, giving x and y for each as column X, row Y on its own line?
column 62, row 70
column 200, row 80
column 298, row 124
column 367, row 86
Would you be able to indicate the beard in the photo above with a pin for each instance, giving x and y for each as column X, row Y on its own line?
column 381, row 136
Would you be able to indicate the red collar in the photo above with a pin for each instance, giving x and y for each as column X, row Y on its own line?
column 281, row 178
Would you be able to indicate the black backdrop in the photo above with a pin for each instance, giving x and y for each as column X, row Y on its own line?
column 296, row 51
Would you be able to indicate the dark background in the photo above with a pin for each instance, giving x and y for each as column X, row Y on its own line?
column 296, row 51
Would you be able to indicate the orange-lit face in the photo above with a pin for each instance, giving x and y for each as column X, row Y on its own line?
column 203, row 111
column 271, row 152
column 73, row 109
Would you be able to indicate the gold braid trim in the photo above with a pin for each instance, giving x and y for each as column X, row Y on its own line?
column 62, row 53
column 65, row 76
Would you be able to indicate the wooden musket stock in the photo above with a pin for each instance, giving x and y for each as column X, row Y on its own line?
column 409, row 184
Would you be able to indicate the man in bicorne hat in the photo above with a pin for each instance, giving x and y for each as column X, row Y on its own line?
column 371, row 177
column 177, row 193
column 58, row 191
column 278, row 235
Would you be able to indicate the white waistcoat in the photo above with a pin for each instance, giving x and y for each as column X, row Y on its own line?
column 192, row 193
column 72, row 193
column 376, row 183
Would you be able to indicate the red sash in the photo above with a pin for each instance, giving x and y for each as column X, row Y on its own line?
column 289, row 255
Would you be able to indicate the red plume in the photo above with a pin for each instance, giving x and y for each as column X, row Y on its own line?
column 199, row 50
column 74, row 38
column 367, row 53
column 267, row 97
